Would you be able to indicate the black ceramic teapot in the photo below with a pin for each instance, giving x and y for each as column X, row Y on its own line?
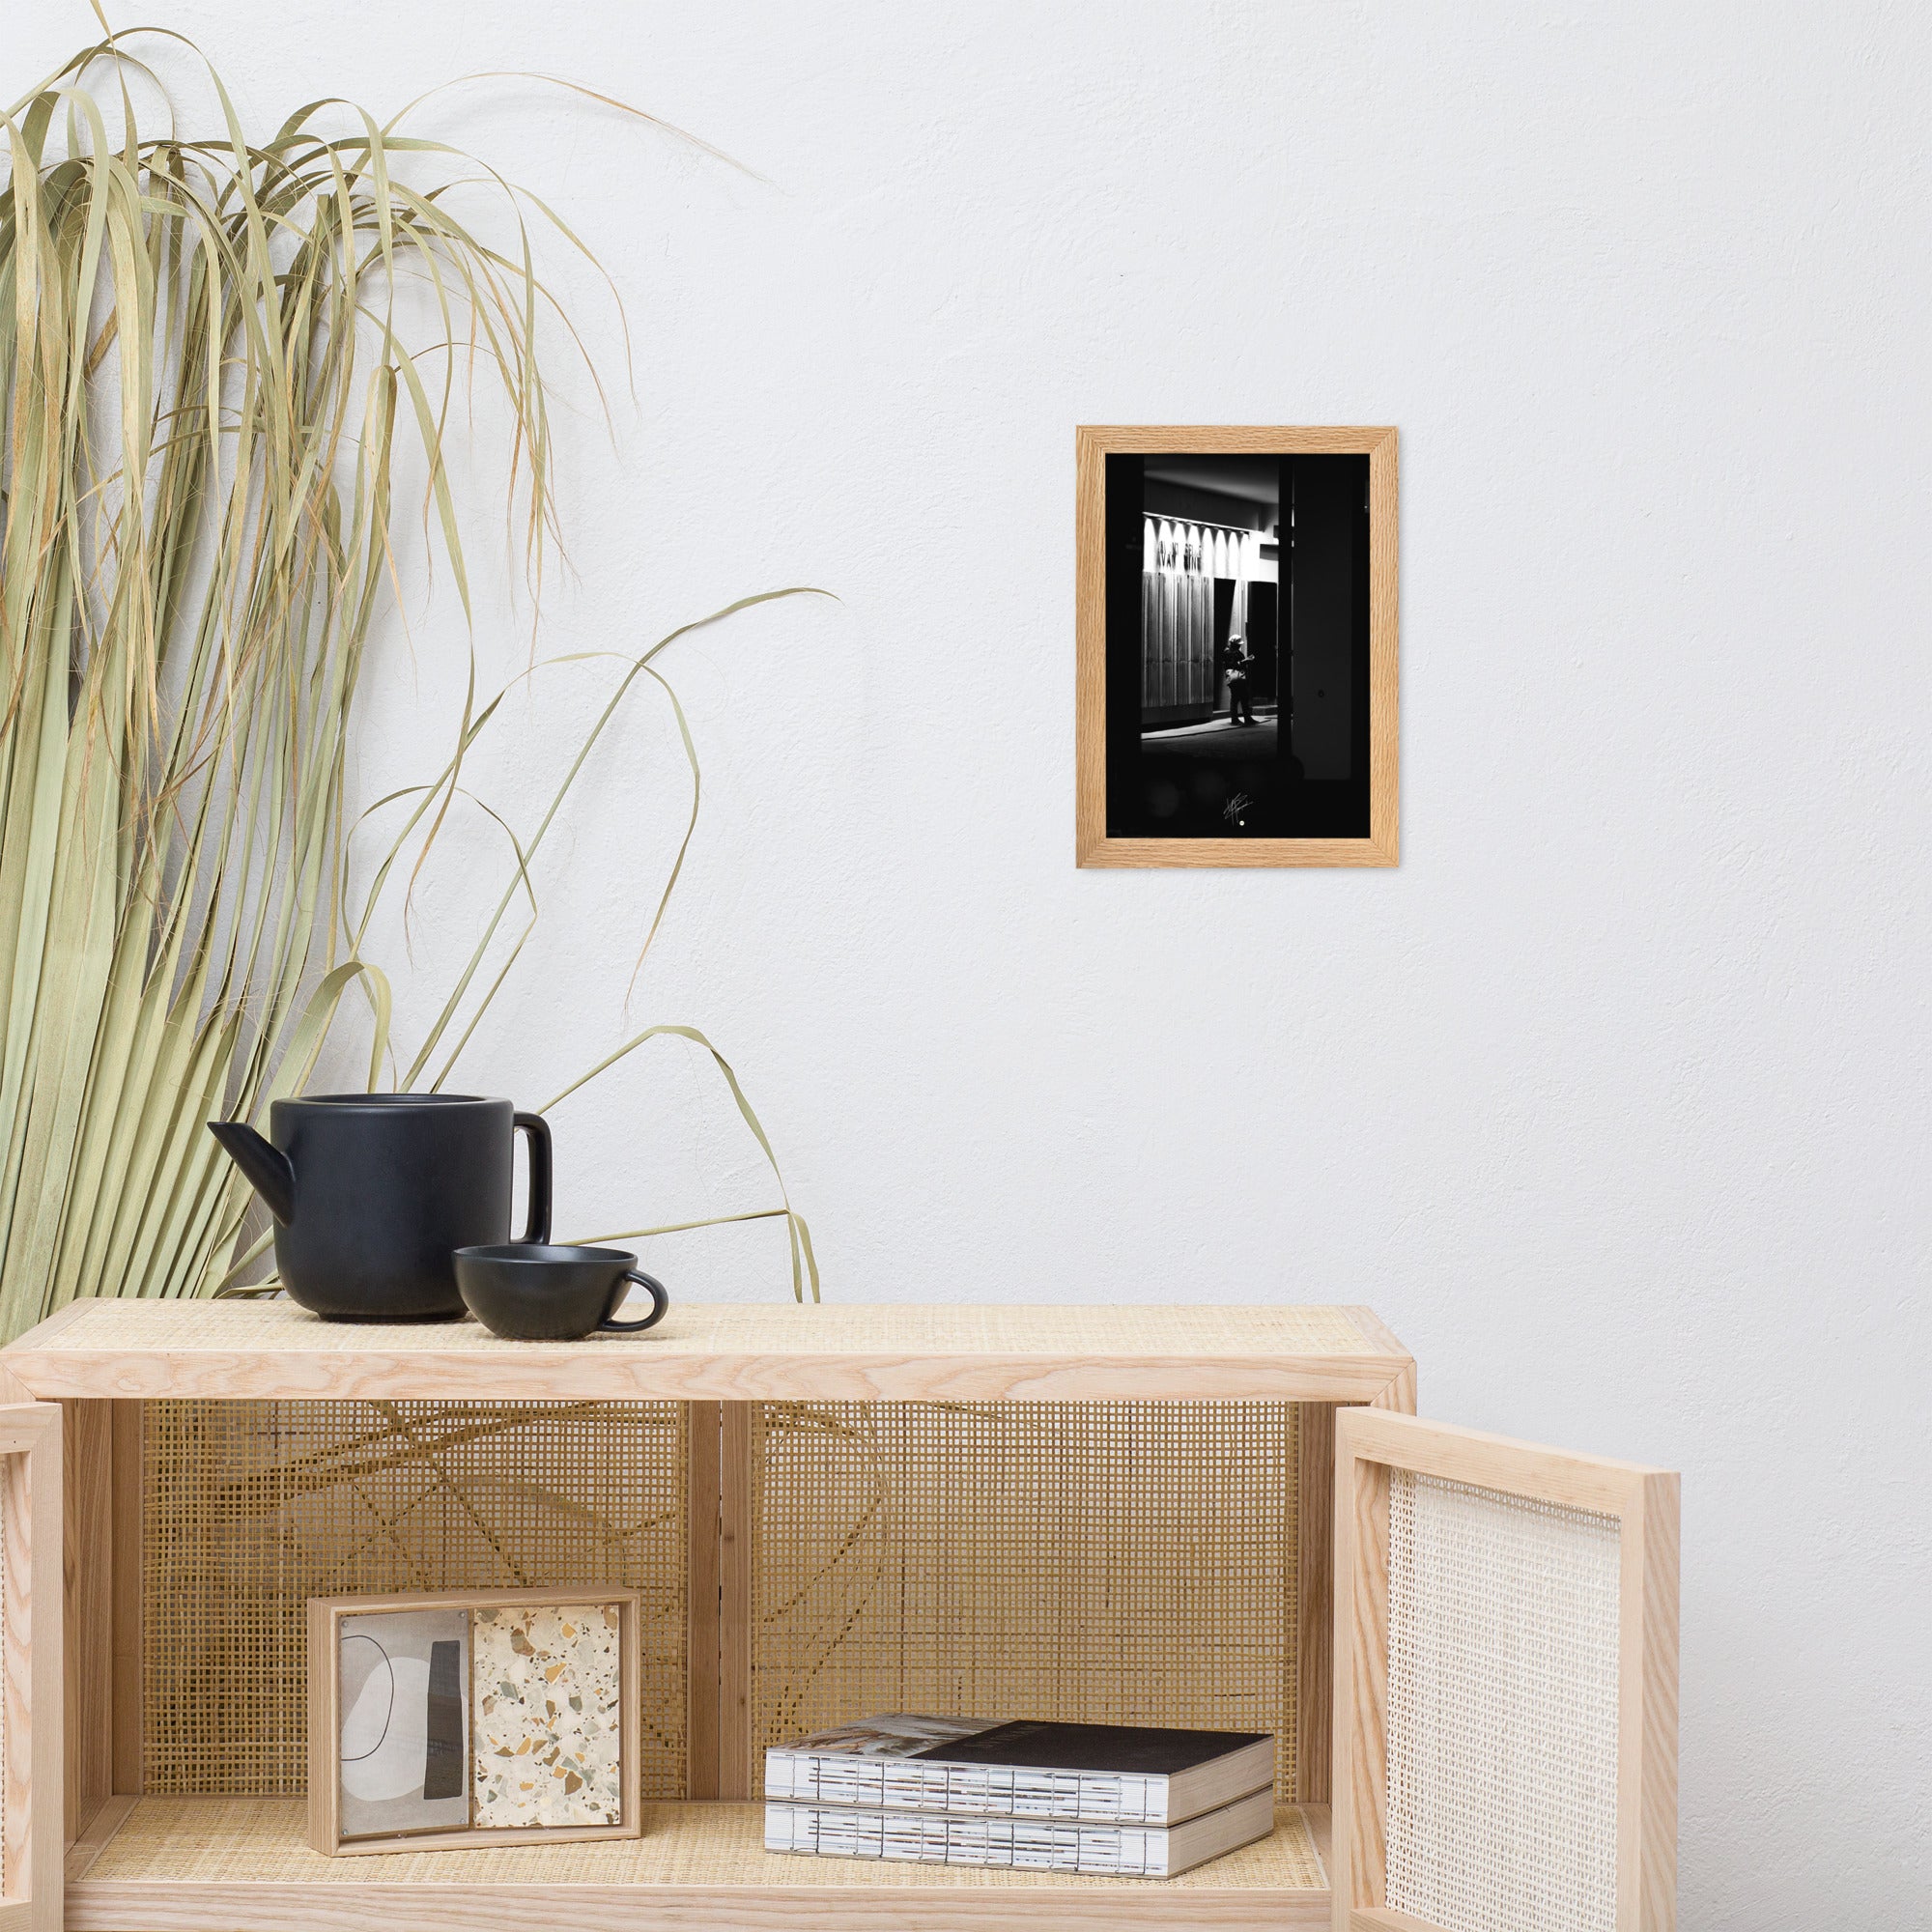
column 372, row 1192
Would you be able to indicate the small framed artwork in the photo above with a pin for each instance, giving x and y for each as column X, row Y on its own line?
column 483, row 1718
column 1236, row 634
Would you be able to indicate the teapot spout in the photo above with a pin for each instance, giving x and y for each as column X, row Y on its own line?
column 266, row 1166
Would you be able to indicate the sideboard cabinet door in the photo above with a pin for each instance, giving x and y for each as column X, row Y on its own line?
column 1505, row 1684
column 29, row 1668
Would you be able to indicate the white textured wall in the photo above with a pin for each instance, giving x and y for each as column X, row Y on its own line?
column 1612, row 1099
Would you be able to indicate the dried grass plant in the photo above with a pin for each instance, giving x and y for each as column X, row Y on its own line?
column 209, row 385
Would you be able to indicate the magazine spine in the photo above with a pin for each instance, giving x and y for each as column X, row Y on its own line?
column 1022, row 1844
column 1004, row 1791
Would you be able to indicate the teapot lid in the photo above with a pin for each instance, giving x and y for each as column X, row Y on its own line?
column 389, row 1101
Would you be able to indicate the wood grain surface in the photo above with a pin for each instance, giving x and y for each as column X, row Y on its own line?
column 238, row 1865
column 728, row 1352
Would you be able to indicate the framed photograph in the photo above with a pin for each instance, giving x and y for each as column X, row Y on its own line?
column 483, row 1718
column 1235, row 630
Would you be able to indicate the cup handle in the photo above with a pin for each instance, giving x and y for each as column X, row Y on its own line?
column 660, row 1300
column 537, row 1230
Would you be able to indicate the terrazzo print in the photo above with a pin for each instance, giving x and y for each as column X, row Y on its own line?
column 548, row 1725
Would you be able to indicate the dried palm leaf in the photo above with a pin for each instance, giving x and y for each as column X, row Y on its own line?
column 207, row 378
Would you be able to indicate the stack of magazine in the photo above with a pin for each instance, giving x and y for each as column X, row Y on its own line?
column 1105, row 1798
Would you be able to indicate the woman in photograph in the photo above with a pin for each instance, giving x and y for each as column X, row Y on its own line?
column 1236, row 660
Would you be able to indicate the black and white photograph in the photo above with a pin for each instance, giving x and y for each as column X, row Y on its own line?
column 1238, row 646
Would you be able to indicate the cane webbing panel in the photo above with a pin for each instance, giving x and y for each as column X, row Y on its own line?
column 1502, row 1710
column 210, row 1841
column 1104, row 1562
column 250, row 1508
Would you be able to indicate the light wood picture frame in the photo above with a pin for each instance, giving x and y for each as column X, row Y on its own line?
column 326, row 1616
column 1172, row 752
column 1374, row 1450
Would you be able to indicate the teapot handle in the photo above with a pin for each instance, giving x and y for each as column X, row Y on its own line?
column 537, row 1128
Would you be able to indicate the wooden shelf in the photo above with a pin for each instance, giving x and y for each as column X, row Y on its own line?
column 736, row 1353
column 239, row 1864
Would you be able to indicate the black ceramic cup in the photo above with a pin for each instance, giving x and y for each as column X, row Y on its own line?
column 530, row 1292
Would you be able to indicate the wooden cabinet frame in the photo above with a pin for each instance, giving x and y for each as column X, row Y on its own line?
column 717, row 1583
column 1644, row 1502
column 31, row 1809
column 99, row 1361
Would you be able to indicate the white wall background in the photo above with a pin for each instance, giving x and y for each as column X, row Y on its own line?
column 1614, row 1098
